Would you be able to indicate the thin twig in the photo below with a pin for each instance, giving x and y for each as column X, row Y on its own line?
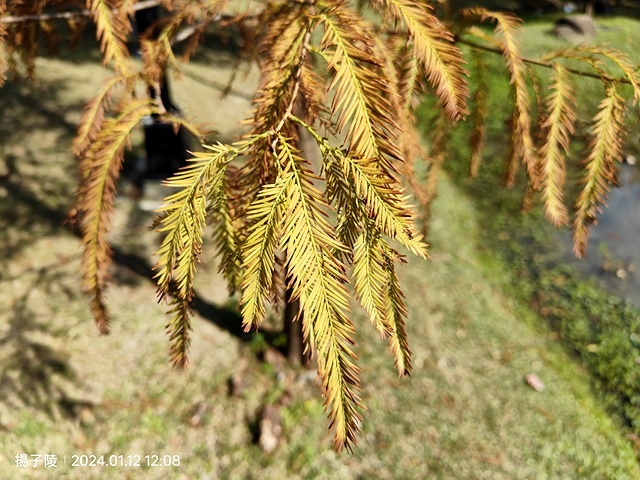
column 180, row 37
column 45, row 17
column 537, row 63
column 296, row 87
column 67, row 15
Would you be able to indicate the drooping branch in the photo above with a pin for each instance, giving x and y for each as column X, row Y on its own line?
column 45, row 17
column 538, row 63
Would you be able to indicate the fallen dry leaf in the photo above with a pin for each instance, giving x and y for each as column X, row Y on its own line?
column 534, row 382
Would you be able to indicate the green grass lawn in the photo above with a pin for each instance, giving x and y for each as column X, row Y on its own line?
column 466, row 412
column 599, row 328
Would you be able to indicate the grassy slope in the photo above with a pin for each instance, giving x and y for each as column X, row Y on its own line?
column 581, row 312
column 465, row 413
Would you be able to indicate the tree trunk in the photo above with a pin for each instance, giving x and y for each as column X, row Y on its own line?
column 296, row 352
column 589, row 7
column 166, row 150
column 293, row 330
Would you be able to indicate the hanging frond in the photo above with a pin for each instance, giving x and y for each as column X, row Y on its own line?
column 281, row 56
column 50, row 37
column 558, row 127
column 98, row 191
column 184, row 220
column 317, row 279
column 433, row 46
column 378, row 289
column 184, row 217
column 155, row 60
column 199, row 132
column 441, row 134
column 582, row 52
column 184, row 213
column 347, row 181
column 266, row 215
column 396, row 313
column 93, row 116
column 384, row 203
column 179, row 330
column 362, row 112
column 112, row 27
column 282, row 59
column 311, row 93
column 366, row 117
column 409, row 88
column 521, row 142
column 226, row 235
column 29, row 48
column 379, row 193
column 391, row 50
column 600, row 169
column 339, row 194
column 409, row 82
column 77, row 27
column 187, row 20
column 370, row 278
column 481, row 34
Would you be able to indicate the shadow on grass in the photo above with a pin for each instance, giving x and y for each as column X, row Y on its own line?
column 51, row 220
column 38, row 373
column 26, row 217
column 35, row 370
column 39, row 200
column 226, row 318
column 37, row 182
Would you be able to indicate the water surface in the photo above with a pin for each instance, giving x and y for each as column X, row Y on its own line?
column 613, row 251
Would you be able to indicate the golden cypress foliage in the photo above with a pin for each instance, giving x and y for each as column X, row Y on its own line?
column 396, row 314
column 441, row 128
column 112, row 20
column 521, row 147
column 20, row 41
column 93, row 116
column 258, row 250
column 605, row 149
column 433, row 47
column 318, row 279
column 359, row 106
column 557, row 119
column 97, row 193
column 558, row 126
column 321, row 227
column 201, row 186
column 409, row 87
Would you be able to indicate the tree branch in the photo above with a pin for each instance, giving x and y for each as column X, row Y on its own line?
column 538, row 63
column 66, row 15
column 181, row 36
